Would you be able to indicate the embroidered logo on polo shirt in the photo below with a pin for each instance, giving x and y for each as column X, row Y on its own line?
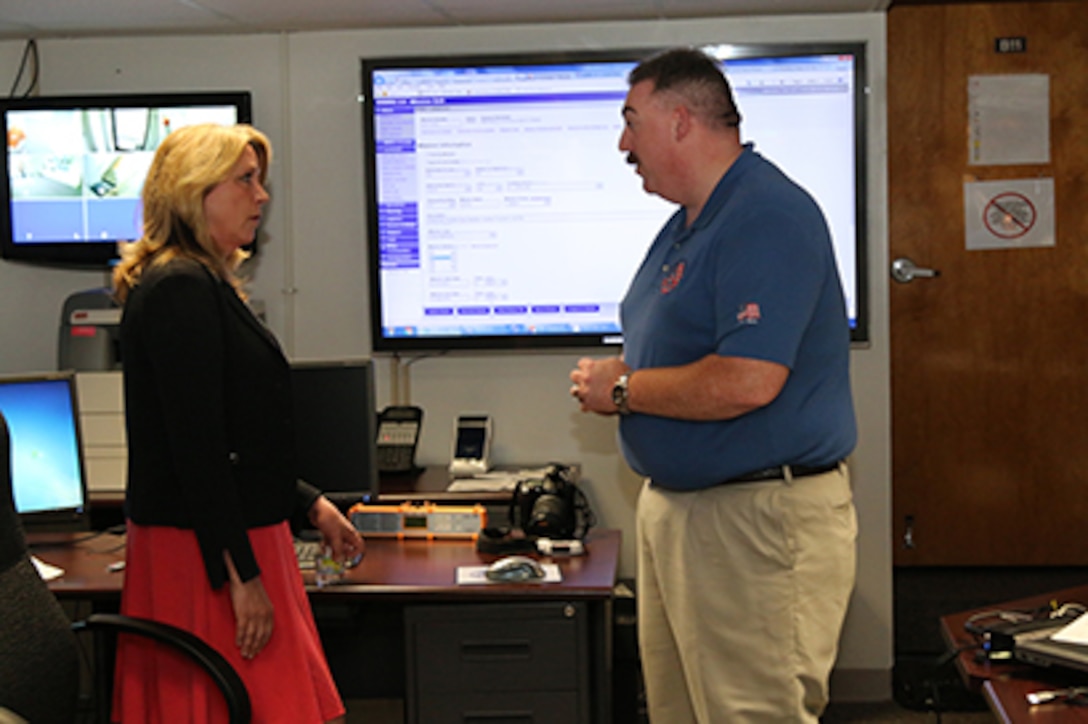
column 749, row 314
column 672, row 280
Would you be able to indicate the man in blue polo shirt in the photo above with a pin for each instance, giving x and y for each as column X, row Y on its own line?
column 734, row 399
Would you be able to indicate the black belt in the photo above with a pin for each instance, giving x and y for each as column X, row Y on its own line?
column 779, row 473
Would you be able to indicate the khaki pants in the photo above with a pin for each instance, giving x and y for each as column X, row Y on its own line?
column 742, row 591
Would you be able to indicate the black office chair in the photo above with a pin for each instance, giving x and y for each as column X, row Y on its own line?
column 39, row 662
column 105, row 626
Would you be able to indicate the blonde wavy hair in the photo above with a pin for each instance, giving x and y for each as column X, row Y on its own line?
column 189, row 163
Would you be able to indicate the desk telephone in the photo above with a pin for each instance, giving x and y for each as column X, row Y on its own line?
column 398, row 436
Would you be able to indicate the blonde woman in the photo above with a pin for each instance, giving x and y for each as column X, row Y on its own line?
column 211, row 487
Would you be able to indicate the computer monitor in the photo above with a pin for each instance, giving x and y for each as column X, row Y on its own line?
column 73, row 172
column 335, row 421
column 49, row 484
column 502, row 214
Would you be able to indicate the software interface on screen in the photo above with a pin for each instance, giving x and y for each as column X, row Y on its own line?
column 76, row 174
column 46, row 470
column 506, row 208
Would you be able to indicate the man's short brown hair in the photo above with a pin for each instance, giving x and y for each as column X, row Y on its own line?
column 696, row 79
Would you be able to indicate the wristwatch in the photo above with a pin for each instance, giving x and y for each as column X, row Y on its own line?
column 619, row 394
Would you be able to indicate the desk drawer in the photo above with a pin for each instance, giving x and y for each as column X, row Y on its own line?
column 508, row 707
column 498, row 662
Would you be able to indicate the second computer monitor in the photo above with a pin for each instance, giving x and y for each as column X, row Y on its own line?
column 335, row 422
column 49, row 486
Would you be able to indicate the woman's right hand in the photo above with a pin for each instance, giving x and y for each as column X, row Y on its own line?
column 253, row 612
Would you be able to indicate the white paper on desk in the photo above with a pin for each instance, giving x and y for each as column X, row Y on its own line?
column 482, row 485
column 496, row 481
column 47, row 571
column 477, row 575
column 1075, row 632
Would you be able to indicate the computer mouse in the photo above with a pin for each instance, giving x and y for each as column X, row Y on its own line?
column 514, row 569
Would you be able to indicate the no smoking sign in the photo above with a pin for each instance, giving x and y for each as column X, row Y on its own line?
column 1009, row 214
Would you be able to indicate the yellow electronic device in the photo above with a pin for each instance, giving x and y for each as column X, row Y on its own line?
column 418, row 521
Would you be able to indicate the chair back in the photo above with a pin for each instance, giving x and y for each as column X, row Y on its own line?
column 39, row 660
column 105, row 626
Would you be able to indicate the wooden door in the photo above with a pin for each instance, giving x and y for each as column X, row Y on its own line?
column 990, row 358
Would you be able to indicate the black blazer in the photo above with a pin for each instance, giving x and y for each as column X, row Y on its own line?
column 208, row 415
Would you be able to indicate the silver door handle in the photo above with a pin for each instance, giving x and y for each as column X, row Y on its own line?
column 904, row 270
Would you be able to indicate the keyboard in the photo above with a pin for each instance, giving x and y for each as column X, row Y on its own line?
column 306, row 552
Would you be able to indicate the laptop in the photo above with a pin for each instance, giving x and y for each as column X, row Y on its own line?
column 1039, row 648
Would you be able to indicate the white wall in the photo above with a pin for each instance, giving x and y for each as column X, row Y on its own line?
column 31, row 298
column 312, row 273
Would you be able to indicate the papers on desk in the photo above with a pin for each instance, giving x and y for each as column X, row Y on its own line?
column 1074, row 633
column 477, row 575
column 498, row 481
column 45, row 570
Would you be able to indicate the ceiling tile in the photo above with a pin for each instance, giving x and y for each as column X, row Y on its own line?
column 108, row 16
column 324, row 14
column 37, row 18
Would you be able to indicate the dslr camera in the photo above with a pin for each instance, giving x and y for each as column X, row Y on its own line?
column 552, row 506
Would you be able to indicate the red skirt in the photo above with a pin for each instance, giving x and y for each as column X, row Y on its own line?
column 288, row 681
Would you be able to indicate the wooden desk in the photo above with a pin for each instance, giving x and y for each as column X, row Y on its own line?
column 1007, row 684
column 428, row 485
column 85, row 558
column 400, row 575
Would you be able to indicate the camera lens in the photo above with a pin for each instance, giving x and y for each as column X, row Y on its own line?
column 550, row 516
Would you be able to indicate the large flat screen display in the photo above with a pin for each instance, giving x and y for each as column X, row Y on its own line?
column 74, row 168
column 502, row 214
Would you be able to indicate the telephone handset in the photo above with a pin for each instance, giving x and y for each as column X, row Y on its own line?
column 398, row 435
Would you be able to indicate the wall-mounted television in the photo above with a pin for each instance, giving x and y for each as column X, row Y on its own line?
column 48, row 477
column 502, row 214
column 73, row 168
